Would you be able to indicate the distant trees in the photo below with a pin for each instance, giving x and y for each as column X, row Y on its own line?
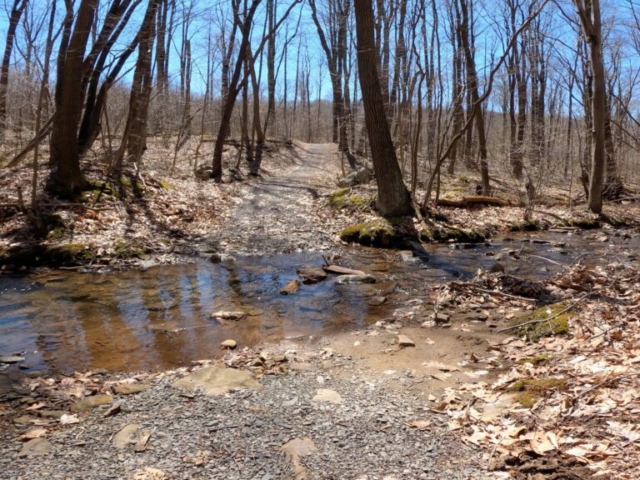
column 520, row 89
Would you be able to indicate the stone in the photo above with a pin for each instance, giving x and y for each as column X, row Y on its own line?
column 441, row 317
column 230, row 344
column 357, row 177
column 11, row 359
column 405, row 341
column 312, row 275
column 224, row 315
column 324, row 395
column 218, row 380
column 125, row 436
column 36, row 447
column 497, row 268
column 88, row 403
column 131, row 388
column 407, row 256
column 51, row 414
column 355, row 279
column 221, row 257
column 375, row 301
column 290, row 288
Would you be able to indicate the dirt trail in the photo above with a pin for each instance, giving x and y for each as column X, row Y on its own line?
column 279, row 212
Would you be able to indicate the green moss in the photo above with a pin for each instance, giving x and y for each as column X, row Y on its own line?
column 343, row 199
column 536, row 360
column 460, row 235
column 377, row 233
column 129, row 250
column 426, row 235
column 541, row 328
column 584, row 223
column 57, row 233
column 529, row 390
column 165, row 185
column 70, row 254
column 525, row 226
column 43, row 224
column 452, row 234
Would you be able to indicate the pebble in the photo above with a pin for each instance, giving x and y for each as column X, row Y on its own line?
column 405, row 341
column 230, row 344
column 366, row 434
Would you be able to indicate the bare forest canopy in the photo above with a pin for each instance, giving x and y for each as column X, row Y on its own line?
column 534, row 92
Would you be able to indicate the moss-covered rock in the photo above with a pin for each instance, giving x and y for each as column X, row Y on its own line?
column 345, row 198
column 535, row 326
column 70, row 254
column 453, row 234
column 32, row 255
column 377, row 233
column 529, row 390
column 165, row 185
column 525, row 226
column 584, row 223
column 130, row 250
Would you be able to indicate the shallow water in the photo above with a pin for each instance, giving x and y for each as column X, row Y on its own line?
column 160, row 317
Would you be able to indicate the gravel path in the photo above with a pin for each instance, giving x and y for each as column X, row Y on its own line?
column 240, row 435
column 280, row 213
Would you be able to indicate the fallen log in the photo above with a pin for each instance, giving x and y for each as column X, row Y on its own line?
column 466, row 202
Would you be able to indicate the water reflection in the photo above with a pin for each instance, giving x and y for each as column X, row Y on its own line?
column 160, row 318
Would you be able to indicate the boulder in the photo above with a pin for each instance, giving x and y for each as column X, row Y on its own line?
column 357, row 177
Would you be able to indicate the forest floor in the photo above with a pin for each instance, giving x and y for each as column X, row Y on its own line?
column 364, row 404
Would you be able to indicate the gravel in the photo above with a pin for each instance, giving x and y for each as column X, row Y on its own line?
column 240, row 435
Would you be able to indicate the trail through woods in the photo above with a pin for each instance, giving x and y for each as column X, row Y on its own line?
column 279, row 211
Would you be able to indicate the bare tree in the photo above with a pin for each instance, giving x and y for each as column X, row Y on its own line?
column 590, row 18
column 14, row 18
column 393, row 197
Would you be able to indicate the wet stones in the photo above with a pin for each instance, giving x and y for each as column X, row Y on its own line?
column 224, row 317
column 355, row 279
column 312, row 276
column 290, row 288
column 10, row 359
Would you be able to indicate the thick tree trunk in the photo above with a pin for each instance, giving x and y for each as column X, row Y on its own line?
column 589, row 12
column 66, row 178
column 393, row 197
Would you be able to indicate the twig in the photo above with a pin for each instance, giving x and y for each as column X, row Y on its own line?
column 492, row 292
column 548, row 260
column 55, row 205
column 602, row 384
column 533, row 322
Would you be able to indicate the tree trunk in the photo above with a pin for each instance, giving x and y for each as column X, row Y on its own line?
column 589, row 12
column 66, row 178
column 472, row 82
column 393, row 197
column 14, row 19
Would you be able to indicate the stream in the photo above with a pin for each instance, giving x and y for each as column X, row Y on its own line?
column 158, row 318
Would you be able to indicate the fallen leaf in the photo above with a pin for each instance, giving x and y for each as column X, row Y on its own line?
column 33, row 433
column 420, row 424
